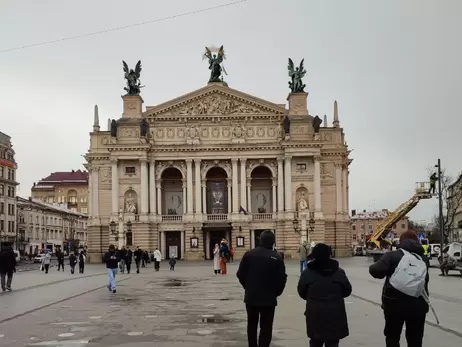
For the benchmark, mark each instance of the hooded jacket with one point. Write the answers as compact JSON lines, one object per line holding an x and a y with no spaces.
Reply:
{"x":392,"y":299}
{"x":262,"y":273}
{"x":324,"y":285}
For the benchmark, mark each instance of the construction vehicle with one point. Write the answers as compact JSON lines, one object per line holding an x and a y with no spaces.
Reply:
{"x":378,"y":243}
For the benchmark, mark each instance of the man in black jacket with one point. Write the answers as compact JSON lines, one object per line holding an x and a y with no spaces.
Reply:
{"x":138,"y":257}
{"x":398,"y":307}
{"x":7,"y":266}
{"x":262,"y":274}
{"x":112,"y":259}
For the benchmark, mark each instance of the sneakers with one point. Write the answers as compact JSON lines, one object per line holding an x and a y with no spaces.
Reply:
{"x":114,"y":291}
{"x":109,"y":287}
{"x":9,"y":289}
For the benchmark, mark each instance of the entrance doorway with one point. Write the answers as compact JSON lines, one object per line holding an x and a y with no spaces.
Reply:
{"x":257,"y":237}
{"x":173,"y":244}
{"x":215,"y":237}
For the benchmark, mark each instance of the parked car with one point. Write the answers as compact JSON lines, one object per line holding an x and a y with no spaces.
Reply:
{"x":39,"y":258}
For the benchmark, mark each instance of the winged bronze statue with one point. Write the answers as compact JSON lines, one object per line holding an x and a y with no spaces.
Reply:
{"x":296,"y":74}
{"x":215,"y":61}
{"x":133,"y":79}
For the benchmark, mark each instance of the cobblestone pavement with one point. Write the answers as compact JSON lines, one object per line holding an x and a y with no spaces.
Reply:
{"x":189,"y":307}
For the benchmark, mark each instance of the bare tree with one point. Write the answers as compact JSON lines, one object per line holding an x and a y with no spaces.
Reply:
{"x":452,"y":201}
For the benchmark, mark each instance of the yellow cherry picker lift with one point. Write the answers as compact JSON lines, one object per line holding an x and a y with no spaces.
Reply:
{"x":378,"y":244}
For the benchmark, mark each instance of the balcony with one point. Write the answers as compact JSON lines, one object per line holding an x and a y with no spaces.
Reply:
{"x":217,"y":217}
{"x":262,"y":216}
{"x":172,"y":218}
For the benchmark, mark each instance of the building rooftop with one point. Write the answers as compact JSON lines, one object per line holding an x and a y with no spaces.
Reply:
{"x":61,"y":208}
{"x":54,"y":178}
{"x":370,"y":215}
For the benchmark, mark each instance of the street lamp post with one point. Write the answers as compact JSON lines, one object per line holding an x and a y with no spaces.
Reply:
{"x":302,"y":230}
{"x":440,"y":206}
{"x":119,"y":233}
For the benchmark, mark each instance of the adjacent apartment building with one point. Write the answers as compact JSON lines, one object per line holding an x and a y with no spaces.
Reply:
{"x":49,"y":226}
{"x":364,"y":223}
{"x":454,"y":211}
{"x":8,"y":186}
{"x":69,"y":188}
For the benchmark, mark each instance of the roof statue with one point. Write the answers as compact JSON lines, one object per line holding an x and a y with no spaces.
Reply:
{"x":215,"y":61}
{"x":317,"y":123}
{"x":296,"y":74}
{"x":133,"y":79}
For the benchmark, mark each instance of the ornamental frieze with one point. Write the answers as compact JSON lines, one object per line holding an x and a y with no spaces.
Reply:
{"x":214,"y":105}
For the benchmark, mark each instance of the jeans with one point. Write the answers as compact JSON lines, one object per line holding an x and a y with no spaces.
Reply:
{"x":81,"y":267}
{"x":129,"y":266}
{"x":137,"y":262}
{"x":46,"y":267}
{"x":302,"y":265}
{"x":60,"y":264}
{"x":156,"y":265}
{"x":8,"y":281}
{"x":264,"y":315}
{"x":314,"y":343}
{"x":112,"y":278}
{"x":415,"y":324}
{"x":72,"y":269}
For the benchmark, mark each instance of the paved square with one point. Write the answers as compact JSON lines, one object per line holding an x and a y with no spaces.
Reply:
{"x":190,"y":307}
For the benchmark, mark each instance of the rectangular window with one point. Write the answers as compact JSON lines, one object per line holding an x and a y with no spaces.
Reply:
{"x":2,"y":225}
{"x":84,"y":210}
{"x":2,"y":190}
{"x":9,"y":174}
{"x":354,"y":227}
{"x":2,"y":171}
{"x":370,"y":226}
{"x":2,"y":207}
{"x":130,"y":170}
{"x":354,"y":237}
{"x":362,"y":227}
{"x":403,"y":226}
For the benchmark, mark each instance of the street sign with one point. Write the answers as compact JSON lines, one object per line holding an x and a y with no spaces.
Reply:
{"x":421,"y":236}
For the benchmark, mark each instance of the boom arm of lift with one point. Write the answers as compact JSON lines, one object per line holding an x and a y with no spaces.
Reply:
{"x":422,"y":192}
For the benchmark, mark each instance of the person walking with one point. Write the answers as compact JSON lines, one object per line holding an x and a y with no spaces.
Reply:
{"x":224,"y":256}
{"x":138,"y":254}
{"x":172,"y":263}
{"x":7,"y":267}
{"x":262,"y":274}
{"x":82,"y":259}
{"x":324,"y":285}
{"x":72,"y":262}
{"x":111,"y":258}
{"x":128,"y":259}
{"x":60,"y":257}
{"x":157,"y":259}
{"x":404,"y":291}
{"x":216,"y":259}
{"x":46,"y":261}
{"x":303,"y":255}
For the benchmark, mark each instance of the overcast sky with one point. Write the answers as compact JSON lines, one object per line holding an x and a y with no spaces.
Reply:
{"x":393,"y":65}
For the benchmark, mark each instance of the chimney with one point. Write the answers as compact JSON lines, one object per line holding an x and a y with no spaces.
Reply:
{"x":353,"y":213}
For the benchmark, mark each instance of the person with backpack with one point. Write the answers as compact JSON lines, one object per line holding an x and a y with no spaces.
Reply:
{"x":405,"y":291}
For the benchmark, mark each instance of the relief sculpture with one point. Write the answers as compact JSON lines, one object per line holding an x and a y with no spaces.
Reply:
{"x":326,"y":173}
{"x":215,"y":104}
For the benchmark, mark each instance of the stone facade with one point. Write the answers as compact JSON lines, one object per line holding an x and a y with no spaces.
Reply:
{"x":49,"y":226}
{"x":217,"y":163}
{"x":8,"y":184}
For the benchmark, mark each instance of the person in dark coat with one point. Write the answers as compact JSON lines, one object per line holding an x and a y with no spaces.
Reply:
{"x":138,"y":254}
{"x":60,"y":256}
{"x":398,"y":307}
{"x":324,"y":285}
{"x":7,"y":267}
{"x":72,"y":262}
{"x":128,"y":259}
{"x":262,"y":274}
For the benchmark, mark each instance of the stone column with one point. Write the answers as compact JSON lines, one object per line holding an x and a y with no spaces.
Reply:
{"x":235,"y":186}
{"x":273,"y":196}
{"x":152,"y":187}
{"x":345,"y":189}
{"x":204,"y":195}
{"x":252,"y":238}
{"x":288,"y":183}
{"x":207,"y":245}
{"x":280,"y":185}
{"x":162,"y":244}
{"x":243,"y":185}
{"x":159,"y":196}
{"x":181,"y":256}
{"x":317,"y":182}
{"x":229,"y":194}
{"x":144,"y":187}
{"x":90,"y":195}
{"x":185,"y":194}
{"x":197,"y":177}
{"x":338,"y":187}
{"x":95,"y":186}
{"x":189,"y":186}
{"x":249,"y":195}
{"x":115,"y":187}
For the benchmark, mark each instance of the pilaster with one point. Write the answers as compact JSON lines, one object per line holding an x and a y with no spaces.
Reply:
{"x":189,"y":187}
{"x":115,"y":187}
{"x":235,"y":188}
